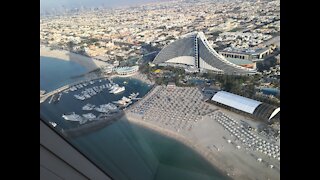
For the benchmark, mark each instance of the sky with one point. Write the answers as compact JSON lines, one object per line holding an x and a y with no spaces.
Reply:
{"x":50,"y":4}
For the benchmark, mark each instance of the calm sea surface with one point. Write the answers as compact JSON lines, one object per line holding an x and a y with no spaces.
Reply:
{"x":55,"y":73}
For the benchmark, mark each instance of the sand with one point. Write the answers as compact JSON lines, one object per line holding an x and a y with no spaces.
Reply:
{"x":234,"y":162}
{"x":207,"y":138}
{"x":87,"y":62}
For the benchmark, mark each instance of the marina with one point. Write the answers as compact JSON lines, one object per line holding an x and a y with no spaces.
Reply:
{"x":101,"y":102}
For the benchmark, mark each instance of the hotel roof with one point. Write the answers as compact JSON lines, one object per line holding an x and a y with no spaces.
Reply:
{"x":236,"y":101}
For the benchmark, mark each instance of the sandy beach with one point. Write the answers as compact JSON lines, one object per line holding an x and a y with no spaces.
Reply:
{"x":235,"y":163}
{"x":89,"y":63}
{"x":209,"y":139}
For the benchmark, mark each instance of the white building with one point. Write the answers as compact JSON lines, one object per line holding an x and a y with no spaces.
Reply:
{"x":125,"y":71}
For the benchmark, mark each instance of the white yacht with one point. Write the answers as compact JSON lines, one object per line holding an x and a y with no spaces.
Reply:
{"x":53,"y":124}
{"x":124,"y":101}
{"x":117,"y":90}
{"x":105,"y":108}
{"x":86,"y":95}
{"x":113,"y":86}
{"x":108,"y":85}
{"x":89,"y":116}
{"x":79,"y":97}
{"x":60,"y":94}
{"x":88,"y":107}
{"x":72,"y":117}
{"x":134,"y":95}
{"x":73,"y":88}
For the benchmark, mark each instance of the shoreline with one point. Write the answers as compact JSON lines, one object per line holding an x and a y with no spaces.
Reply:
{"x":205,"y":154}
{"x":234,"y":163}
{"x":89,"y":63}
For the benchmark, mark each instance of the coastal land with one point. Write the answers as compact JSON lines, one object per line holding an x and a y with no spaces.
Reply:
{"x":210,"y":140}
{"x":205,"y":135}
{"x":90,"y":64}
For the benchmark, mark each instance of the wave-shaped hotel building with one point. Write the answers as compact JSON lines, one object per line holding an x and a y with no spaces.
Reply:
{"x":193,"y":50}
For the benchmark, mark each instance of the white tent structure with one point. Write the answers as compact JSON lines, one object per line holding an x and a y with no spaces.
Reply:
{"x":238,"y":102}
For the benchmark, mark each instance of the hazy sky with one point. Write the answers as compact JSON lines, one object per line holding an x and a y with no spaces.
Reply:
{"x":49,"y":4}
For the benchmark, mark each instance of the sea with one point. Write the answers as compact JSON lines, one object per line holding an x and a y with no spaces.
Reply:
{"x":123,"y":150}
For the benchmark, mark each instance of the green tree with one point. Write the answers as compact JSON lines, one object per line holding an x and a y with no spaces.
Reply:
{"x":70,"y":45}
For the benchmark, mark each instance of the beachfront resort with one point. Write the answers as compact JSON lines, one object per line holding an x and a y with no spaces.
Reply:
{"x":191,"y":71}
{"x":219,"y":133}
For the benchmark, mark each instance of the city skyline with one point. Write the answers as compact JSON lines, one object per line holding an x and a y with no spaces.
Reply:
{"x":49,"y":5}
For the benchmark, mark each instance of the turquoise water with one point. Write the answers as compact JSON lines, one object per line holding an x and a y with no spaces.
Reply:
{"x":55,"y":73}
{"x":128,"y":151}
{"x":125,"y":150}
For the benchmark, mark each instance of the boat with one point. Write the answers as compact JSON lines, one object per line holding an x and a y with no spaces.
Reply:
{"x":124,"y":101}
{"x":86,"y":95}
{"x":72,"y":117}
{"x":108,"y":85}
{"x":117,"y":90}
{"x":79,"y":97}
{"x":105,"y":108}
{"x":53,"y":124}
{"x":113,"y":86}
{"x":134,"y":95}
{"x":89,"y":116}
{"x":60,"y":94}
{"x":112,"y":107}
{"x":73,"y":88}
{"x":42,"y":92}
{"x":88,"y":107}
{"x":125,"y":82}
{"x":120,"y":89}
{"x":127,"y":104}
